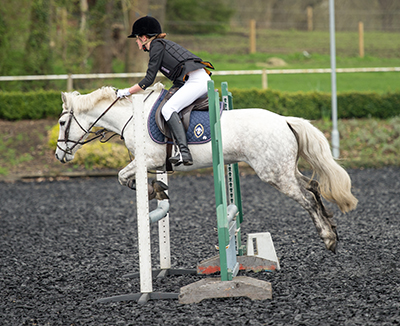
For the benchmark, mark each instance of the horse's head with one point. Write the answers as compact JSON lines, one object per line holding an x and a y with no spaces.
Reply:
{"x":72,"y":131}
{"x":82,"y":112}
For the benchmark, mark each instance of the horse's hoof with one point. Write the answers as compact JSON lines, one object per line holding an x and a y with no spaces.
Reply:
{"x":331,"y":244}
{"x":131,"y":184}
{"x":332,"y":247}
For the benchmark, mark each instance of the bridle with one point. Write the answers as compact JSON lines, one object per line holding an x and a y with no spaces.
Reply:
{"x":96,"y":134}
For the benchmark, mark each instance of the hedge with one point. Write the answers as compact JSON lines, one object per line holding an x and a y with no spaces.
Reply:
{"x":315,"y":105}
{"x":309,"y":105}
{"x":30,"y":105}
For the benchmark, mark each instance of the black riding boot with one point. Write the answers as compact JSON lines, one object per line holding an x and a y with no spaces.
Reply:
{"x":178,"y":131}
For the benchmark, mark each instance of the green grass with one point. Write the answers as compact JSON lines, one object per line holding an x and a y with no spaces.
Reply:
{"x":231,"y":52}
{"x":236,"y":41}
{"x":10,"y":155}
{"x":366,"y":142}
{"x":380,"y":82}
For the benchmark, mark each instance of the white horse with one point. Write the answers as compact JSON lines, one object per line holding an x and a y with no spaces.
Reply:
{"x":271,"y":144}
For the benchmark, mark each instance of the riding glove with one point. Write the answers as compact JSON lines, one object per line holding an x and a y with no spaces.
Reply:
{"x":123,"y":93}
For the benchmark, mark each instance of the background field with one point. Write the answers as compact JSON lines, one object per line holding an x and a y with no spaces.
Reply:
{"x":24,"y":145}
{"x":297,"y":49}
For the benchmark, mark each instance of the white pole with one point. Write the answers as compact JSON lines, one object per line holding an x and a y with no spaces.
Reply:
{"x":335,"y":132}
{"x":142,"y":197}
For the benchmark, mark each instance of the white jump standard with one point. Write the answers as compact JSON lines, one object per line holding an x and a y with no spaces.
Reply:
{"x":144,"y":218}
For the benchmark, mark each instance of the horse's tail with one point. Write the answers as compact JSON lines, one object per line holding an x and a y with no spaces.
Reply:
{"x":334,"y":182}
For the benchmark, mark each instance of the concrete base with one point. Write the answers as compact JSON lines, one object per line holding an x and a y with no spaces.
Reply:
{"x":241,"y":286}
{"x":246,"y":263}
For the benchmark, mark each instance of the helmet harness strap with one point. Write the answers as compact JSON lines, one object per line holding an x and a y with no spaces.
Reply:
{"x":144,"y":43}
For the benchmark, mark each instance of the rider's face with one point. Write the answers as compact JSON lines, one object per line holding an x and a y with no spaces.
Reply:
{"x":140,"y":40}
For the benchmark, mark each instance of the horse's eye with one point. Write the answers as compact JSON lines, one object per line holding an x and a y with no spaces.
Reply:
{"x":62,"y":123}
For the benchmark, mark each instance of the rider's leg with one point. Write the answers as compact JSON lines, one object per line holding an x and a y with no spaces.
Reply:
{"x":194,"y":87}
{"x":176,"y":127}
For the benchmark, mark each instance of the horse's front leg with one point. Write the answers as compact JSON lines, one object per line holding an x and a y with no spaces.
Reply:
{"x":126,"y":176}
{"x":156,"y":189}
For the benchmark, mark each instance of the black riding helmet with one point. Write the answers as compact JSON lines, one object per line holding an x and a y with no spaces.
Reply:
{"x":146,"y":26}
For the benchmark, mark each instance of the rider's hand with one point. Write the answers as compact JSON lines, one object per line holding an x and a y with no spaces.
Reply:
{"x":123,"y":93}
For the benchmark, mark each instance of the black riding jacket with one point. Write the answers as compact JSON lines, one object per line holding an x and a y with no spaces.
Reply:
{"x":174,"y":62}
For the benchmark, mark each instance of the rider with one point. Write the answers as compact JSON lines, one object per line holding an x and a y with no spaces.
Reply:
{"x":187,"y":71}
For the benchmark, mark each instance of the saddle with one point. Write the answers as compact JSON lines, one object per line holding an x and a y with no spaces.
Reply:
{"x":200,"y":104}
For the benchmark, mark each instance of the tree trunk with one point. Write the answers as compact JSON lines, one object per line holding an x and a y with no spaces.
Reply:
{"x":103,"y":53}
{"x":135,"y":60}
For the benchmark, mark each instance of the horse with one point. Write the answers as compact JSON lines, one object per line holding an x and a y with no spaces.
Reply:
{"x":269,"y":143}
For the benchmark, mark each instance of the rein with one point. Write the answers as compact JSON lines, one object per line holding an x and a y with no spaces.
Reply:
{"x":98,"y":134}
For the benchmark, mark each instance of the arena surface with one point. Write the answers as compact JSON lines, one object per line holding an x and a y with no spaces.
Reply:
{"x":66,"y":244}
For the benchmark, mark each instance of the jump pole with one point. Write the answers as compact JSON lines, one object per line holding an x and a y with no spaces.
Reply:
{"x":144,"y":219}
{"x":228,"y":285}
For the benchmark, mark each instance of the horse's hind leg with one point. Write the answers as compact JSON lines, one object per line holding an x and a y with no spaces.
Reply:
{"x":313,"y":186}
{"x":296,"y":188}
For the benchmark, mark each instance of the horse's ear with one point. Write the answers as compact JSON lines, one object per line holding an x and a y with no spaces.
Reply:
{"x":63,"y":97}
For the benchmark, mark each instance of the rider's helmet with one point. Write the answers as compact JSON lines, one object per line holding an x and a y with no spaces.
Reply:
{"x":146,"y":26}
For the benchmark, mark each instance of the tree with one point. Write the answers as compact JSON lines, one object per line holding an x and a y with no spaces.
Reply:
{"x":38,"y":58}
{"x":198,"y":17}
{"x":135,"y":59}
{"x":4,"y":44}
{"x":101,"y":21}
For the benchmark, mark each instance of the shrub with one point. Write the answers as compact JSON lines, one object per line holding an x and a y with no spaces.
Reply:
{"x":317,"y":105}
{"x":309,"y":105}
{"x":95,"y":155}
{"x":30,"y":105}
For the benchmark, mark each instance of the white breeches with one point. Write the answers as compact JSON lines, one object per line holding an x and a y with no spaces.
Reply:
{"x":194,"y":87}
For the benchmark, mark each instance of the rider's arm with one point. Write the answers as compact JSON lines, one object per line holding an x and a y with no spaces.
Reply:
{"x":156,"y":57}
{"x":135,"y":88}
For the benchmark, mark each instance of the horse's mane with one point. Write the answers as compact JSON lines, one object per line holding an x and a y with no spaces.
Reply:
{"x":82,"y":103}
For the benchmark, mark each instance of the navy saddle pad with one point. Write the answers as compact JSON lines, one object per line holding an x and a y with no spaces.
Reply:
{"x":199,"y":127}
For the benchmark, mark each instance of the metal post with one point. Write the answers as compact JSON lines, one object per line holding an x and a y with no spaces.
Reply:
{"x":233,"y":178}
{"x":219,"y":182}
{"x":335,"y":132}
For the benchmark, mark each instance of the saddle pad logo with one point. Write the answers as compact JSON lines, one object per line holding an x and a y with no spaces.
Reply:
{"x":198,"y":130}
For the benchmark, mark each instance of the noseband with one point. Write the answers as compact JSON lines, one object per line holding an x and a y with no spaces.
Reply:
{"x":100,"y":133}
